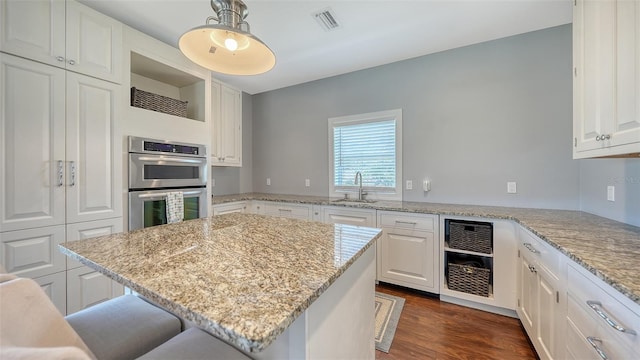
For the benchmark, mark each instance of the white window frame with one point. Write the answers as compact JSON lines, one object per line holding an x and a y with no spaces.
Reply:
{"x":395,"y":114}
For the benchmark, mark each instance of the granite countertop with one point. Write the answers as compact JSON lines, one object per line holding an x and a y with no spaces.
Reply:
{"x":609,"y":249}
{"x":244,"y":278}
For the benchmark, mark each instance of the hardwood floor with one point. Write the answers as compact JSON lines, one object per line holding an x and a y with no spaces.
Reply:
{"x":430,"y":329}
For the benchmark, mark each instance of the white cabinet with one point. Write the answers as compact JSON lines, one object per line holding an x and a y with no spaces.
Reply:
{"x":408,"y":250}
{"x":606,"y":83}
{"x":502,"y":262}
{"x":349,"y":216}
{"x":232,"y":207}
{"x":63,"y":34}
{"x":226,"y":110}
{"x":55,"y":286}
{"x":600,"y":323}
{"x":33,"y":252}
{"x":86,"y":287}
{"x":46,"y":169}
{"x":540,"y":295}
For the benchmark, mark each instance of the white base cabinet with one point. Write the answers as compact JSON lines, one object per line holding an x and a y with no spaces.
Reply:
{"x":87,"y":287}
{"x":408,"y":250}
{"x":349,"y":216}
{"x":55,"y":286}
{"x":288,"y":210}
{"x":540,"y":294}
{"x":233,"y":207}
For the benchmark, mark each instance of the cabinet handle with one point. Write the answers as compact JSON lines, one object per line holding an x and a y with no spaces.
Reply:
{"x":606,"y":137}
{"x":406,"y":222}
{"x":532,"y":269}
{"x":285,"y":210}
{"x":598,"y":138}
{"x":597,"y":307}
{"x":531,"y":248}
{"x":71,"y":62}
{"x":72,"y":165}
{"x":60,"y":173}
{"x":592,"y":341}
{"x":59,"y":58}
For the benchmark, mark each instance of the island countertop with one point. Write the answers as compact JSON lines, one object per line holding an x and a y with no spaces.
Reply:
{"x":607,"y":248}
{"x":244,"y":278}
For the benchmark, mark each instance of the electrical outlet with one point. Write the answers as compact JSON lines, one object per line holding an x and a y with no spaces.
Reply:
{"x":213,"y":182}
{"x":307,"y":182}
{"x":611,"y":193}
{"x":268,"y":181}
{"x":511,"y":187}
{"x":409,"y":184}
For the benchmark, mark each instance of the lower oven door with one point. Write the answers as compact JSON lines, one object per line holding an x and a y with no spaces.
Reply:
{"x":148,"y":207}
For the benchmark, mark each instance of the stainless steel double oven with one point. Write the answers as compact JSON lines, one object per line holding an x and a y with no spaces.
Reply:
{"x":157,"y":167}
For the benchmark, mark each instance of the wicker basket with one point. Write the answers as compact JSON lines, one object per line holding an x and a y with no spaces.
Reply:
{"x":469,"y":279}
{"x":159,"y":103}
{"x":471,"y":236}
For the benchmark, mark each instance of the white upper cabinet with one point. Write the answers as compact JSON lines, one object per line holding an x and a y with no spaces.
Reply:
{"x":39,"y":30}
{"x":226,"y":109}
{"x":32,"y":127}
{"x":606,"y":83}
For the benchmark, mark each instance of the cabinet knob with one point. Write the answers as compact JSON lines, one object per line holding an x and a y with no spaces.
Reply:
{"x":71,"y":62}
{"x":532,"y":268}
{"x":59,"y":58}
{"x":598,"y":138}
{"x":607,"y":137}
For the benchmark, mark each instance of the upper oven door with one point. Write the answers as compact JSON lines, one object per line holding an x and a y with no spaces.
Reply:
{"x":147,"y":171}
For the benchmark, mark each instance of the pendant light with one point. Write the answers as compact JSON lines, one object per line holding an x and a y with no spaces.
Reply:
{"x":227,"y":47}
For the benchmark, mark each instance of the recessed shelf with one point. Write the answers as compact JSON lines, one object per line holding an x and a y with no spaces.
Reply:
{"x":159,"y":78}
{"x":448,"y":249}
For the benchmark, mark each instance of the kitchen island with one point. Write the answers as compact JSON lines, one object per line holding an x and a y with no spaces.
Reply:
{"x":272,"y":287}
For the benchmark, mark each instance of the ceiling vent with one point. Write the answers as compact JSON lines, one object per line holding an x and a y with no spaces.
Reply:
{"x":327,"y":19}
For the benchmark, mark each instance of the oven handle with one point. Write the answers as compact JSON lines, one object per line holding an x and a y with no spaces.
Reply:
{"x":164,"y":194}
{"x":173,"y":159}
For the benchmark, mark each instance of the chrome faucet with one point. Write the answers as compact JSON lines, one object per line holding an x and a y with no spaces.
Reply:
{"x":361,"y":194}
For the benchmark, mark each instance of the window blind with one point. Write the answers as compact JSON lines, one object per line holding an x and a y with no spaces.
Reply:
{"x":368,"y":147}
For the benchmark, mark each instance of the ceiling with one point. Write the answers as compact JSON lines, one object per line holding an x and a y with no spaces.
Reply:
{"x":372,"y":33}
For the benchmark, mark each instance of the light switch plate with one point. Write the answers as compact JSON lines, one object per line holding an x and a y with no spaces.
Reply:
{"x":611,"y":193}
{"x":409,"y":185}
{"x":511,"y":187}
{"x":268,"y":181}
{"x":307,"y":182}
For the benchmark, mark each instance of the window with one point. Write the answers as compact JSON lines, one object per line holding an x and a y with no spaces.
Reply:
{"x":371,"y":144}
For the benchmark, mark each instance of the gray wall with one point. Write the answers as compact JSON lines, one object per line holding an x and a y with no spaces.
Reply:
{"x":233,"y":180}
{"x":624,"y":174}
{"x":474,"y":118}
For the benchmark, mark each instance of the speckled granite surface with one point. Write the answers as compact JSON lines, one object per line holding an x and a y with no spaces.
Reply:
{"x":244,"y":278}
{"x":609,"y":249}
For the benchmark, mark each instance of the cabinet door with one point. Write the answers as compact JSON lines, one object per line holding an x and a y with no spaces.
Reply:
{"x":55,"y":286}
{"x":93,"y":149}
{"x":408,"y":258}
{"x":594,"y":71}
{"x":86,"y":287}
{"x":528,"y":294}
{"x":227,"y":127}
{"x":548,"y":314}
{"x":94,"y":43}
{"x":33,"y":252}
{"x":34,"y":29}
{"x":626,"y":127}
{"x":91,"y":229}
{"x":32,"y":117}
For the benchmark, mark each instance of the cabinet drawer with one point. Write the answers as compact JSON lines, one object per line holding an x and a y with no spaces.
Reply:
{"x":543,"y":253}
{"x":590,"y":294}
{"x":298,"y":211}
{"x":357,"y":217}
{"x":390,"y":219}
{"x":234,"y":207}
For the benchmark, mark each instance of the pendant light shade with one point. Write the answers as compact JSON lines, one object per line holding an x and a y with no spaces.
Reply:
{"x":226,"y":47}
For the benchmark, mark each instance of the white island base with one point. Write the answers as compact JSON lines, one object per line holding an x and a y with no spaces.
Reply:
{"x":340,"y":324}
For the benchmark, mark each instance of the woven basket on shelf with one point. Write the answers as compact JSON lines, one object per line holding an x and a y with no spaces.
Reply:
{"x":159,"y":103}
{"x":471,"y":237}
{"x":469,"y":279}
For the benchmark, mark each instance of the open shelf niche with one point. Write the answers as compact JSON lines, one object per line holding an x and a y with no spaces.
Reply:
{"x":155,"y":77}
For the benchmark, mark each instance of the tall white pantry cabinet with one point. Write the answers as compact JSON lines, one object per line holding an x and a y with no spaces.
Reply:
{"x":61,"y":162}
